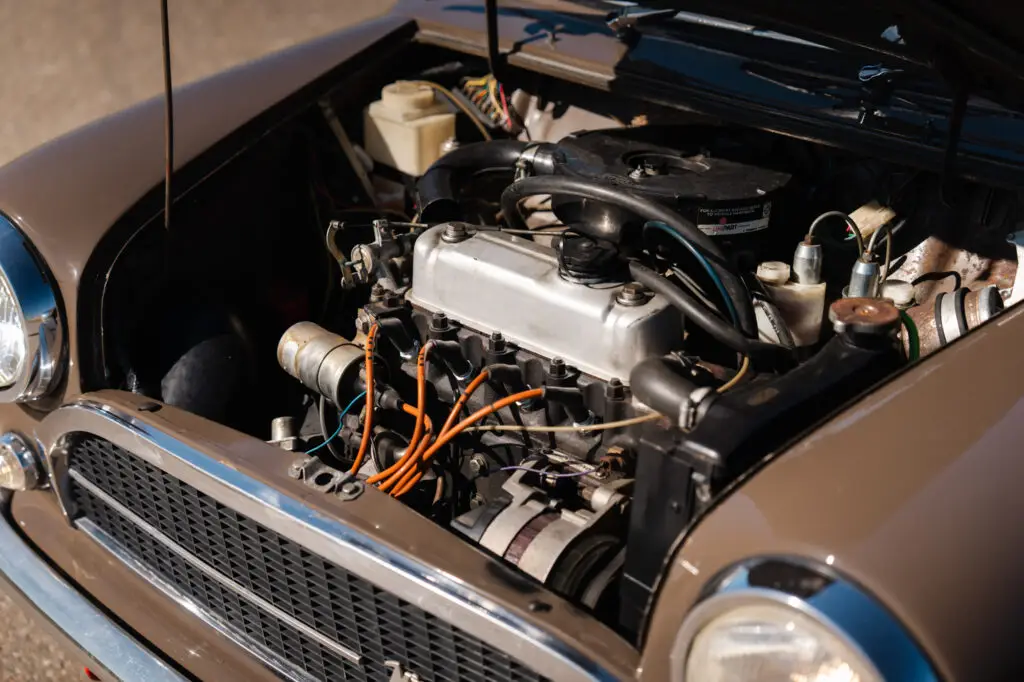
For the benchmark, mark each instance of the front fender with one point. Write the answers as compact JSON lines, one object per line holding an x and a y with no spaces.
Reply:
{"x":913,"y":493}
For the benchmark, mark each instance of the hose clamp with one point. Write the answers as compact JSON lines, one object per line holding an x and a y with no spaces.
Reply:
{"x":534,"y":159}
{"x":693,"y":408}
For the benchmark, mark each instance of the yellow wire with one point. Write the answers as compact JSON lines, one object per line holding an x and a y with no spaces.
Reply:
{"x":477,"y":82}
{"x":567,"y":429}
{"x":462,"y":107}
{"x":736,"y":377}
{"x":492,"y":93}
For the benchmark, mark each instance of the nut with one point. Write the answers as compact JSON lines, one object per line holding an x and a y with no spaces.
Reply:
{"x":614,"y":390}
{"x":632,"y":294}
{"x":439,"y":322}
{"x":497,"y":344}
{"x":478,"y":465}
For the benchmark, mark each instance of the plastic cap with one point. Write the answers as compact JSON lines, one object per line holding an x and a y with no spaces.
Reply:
{"x":773,"y":272}
{"x":899,"y":292}
{"x":407,"y":97}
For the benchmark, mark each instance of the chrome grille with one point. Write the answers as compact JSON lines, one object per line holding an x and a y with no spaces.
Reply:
{"x":319,"y":620}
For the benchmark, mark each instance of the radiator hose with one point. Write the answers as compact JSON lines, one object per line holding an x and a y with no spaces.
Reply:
{"x":435,"y":191}
{"x":656,"y":383}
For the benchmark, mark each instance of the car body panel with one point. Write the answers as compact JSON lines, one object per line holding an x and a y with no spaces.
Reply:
{"x":376,"y":515}
{"x":910,"y":493}
{"x":913,"y":493}
{"x":172,"y":630}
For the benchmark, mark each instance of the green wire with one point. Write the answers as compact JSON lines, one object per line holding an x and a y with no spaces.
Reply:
{"x":702,"y":259}
{"x":915,"y":341}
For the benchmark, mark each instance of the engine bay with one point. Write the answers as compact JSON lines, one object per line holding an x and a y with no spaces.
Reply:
{"x":560,"y":332}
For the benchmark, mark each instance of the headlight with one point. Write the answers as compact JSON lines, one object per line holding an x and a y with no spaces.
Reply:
{"x":773,"y":643}
{"x":779,"y":621}
{"x":31,"y":331}
{"x":12,"y":336}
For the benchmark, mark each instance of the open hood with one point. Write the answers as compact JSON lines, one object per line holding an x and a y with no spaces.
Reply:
{"x":977,"y":45}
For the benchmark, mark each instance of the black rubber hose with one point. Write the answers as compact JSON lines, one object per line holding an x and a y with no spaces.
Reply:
{"x":656,"y":384}
{"x":435,"y":191}
{"x":720,"y":330}
{"x":644,"y":208}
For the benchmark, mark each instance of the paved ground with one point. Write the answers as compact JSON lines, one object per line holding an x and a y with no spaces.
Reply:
{"x":66,"y":63}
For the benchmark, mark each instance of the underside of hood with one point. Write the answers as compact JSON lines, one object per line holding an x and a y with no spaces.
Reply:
{"x":977,"y":45}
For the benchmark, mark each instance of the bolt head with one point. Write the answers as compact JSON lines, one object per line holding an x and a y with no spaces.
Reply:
{"x":497,"y":343}
{"x":454,"y":233}
{"x":615,"y":390}
{"x":632,"y":294}
{"x":478,"y":464}
{"x":439,"y":321}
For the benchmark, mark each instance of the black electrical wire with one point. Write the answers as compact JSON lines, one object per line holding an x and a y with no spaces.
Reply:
{"x":644,"y":208}
{"x":495,"y":61}
{"x":165,"y":31}
{"x":715,"y":326}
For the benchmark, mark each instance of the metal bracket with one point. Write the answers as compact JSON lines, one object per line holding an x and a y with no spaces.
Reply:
{"x":342,"y":484}
{"x":346,"y":146}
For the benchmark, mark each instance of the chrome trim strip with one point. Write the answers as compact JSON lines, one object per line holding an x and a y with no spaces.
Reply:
{"x":440,"y":594}
{"x":213,"y":573}
{"x":31,"y":581}
{"x":841,"y":607}
{"x":267,"y":657}
{"x":35,"y":294}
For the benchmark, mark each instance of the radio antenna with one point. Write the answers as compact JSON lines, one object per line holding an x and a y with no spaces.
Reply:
{"x":168,"y":114}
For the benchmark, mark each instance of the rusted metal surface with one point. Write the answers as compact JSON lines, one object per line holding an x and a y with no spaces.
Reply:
{"x":934,"y":256}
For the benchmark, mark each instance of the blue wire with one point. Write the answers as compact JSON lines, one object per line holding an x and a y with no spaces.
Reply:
{"x":340,"y":423}
{"x":658,"y":225}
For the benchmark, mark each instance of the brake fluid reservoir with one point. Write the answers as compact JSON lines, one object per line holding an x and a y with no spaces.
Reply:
{"x":407,"y":126}
{"x":802,"y":306}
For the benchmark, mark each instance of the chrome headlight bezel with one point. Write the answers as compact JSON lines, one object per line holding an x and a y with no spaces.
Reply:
{"x":838,"y":606}
{"x":35,"y":295}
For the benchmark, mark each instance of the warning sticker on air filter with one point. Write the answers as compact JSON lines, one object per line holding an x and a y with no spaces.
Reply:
{"x":726,"y":220}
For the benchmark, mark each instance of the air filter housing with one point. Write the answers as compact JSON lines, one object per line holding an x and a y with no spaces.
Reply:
{"x":725,"y":197}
